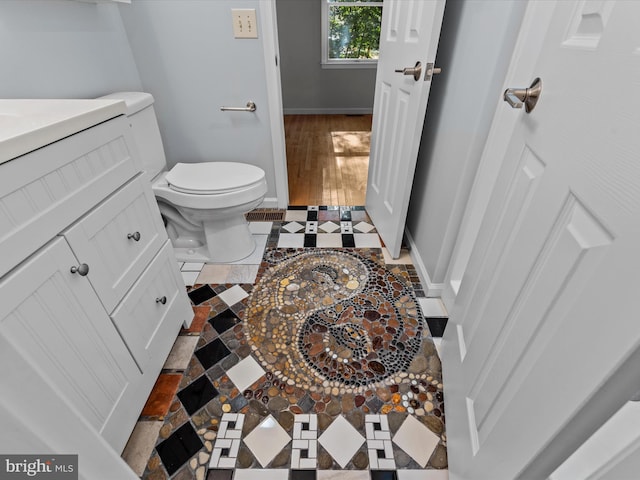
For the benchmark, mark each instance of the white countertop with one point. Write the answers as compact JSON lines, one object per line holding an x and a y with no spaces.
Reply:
{"x":26,"y":125}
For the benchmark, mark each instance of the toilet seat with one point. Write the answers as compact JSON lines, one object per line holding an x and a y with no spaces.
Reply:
{"x":213,"y":178}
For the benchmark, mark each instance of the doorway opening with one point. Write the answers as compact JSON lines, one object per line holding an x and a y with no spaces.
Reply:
{"x":327,"y":158}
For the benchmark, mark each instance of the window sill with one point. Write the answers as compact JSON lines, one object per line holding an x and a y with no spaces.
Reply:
{"x":347,"y":65}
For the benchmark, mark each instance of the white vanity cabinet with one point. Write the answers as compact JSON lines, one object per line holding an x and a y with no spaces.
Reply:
{"x":90,"y":292}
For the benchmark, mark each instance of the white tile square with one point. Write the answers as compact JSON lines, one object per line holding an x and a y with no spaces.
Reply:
{"x":329,"y":227}
{"x":403,"y":259}
{"x":140,"y":445}
{"x":260,"y":228}
{"x":256,"y":256}
{"x":341,"y":440}
{"x":233,"y":295}
{"x":342,"y":475}
{"x":181,"y":352}
{"x":367,"y":240}
{"x":432,"y":307}
{"x":329,"y":240}
{"x":294,"y":227}
{"x":299,"y":444}
{"x":244,"y":373}
{"x":227,"y":273}
{"x":296,"y":216}
{"x":313,"y":208}
{"x":363,"y":227}
{"x":311,"y":227}
{"x":423,"y":474}
{"x":267,"y":440}
{"x":291,"y":240}
{"x":263,"y":474}
{"x":189,"y":278}
{"x":308,"y":463}
{"x":416,"y":440}
{"x":386,"y":464}
{"x":437,"y":341}
{"x":192,"y":267}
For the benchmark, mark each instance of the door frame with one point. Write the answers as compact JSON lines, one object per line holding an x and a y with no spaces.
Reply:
{"x":271,"y":49}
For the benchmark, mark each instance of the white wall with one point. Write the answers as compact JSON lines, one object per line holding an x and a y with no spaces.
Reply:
{"x":475,"y":49}
{"x":63,"y":49}
{"x":190,"y":62}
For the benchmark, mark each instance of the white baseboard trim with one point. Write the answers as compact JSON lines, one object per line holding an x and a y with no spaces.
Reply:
{"x":328,"y":111}
{"x":269,"y":202}
{"x":432,"y":290}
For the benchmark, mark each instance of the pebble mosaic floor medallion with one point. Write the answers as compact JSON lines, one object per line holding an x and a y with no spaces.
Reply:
{"x":328,"y":319}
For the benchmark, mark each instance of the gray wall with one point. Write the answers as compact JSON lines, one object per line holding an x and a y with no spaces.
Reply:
{"x":190,"y":62}
{"x":475,"y":49}
{"x":306,"y":86}
{"x":63,"y":49}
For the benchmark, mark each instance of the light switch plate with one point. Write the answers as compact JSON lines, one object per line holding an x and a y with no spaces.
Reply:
{"x":244,"y":23}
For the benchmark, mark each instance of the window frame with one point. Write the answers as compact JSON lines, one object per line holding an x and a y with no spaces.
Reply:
{"x":327,"y":62}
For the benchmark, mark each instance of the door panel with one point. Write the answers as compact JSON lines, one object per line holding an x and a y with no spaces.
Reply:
{"x":543,"y":322}
{"x":409,"y":33}
{"x":60,"y":327}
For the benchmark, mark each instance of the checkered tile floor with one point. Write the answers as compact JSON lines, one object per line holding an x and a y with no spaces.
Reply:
{"x":328,"y":227}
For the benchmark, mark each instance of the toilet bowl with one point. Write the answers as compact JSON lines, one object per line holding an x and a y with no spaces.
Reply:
{"x":202,"y":204}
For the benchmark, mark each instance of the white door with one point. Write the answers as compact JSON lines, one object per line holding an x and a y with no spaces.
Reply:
{"x":409,"y":34}
{"x":542,"y":340}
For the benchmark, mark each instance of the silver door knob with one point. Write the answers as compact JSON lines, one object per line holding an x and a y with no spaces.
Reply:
{"x":81,"y":269}
{"x":414,"y":71}
{"x":134,"y":236}
{"x":517,"y":97}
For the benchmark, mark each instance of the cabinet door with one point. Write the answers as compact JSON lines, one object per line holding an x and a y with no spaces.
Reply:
{"x":44,"y":191}
{"x":118,"y":239}
{"x":151,"y":314}
{"x":56,"y":322}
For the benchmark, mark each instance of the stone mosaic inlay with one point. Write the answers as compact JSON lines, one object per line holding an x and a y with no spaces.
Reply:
{"x":327,"y":319}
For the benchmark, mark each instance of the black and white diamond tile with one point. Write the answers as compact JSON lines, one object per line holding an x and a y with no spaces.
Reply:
{"x":416,"y":440}
{"x":294,"y":227}
{"x":379,"y":446}
{"x":267,"y":440}
{"x":304,"y":450}
{"x":328,"y":227}
{"x":341,"y":440}
{"x":225,"y":450}
{"x":245,"y":373}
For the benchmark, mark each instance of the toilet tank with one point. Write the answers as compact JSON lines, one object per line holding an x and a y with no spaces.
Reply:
{"x":144,"y":126}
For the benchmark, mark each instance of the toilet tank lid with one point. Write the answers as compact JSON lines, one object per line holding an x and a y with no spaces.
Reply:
{"x":135,"y":101}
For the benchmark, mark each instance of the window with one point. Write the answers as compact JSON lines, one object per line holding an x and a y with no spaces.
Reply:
{"x":350,"y":32}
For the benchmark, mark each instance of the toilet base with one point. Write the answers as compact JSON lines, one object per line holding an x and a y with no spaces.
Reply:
{"x":228,"y":239}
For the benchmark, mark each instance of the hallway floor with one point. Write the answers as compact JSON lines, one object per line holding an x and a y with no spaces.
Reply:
{"x":302,"y":362}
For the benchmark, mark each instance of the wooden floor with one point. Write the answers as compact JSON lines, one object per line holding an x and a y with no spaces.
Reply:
{"x":327,"y":158}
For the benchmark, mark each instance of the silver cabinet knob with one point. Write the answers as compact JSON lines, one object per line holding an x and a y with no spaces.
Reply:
{"x":527,"y":97}
{"x":81,"y":269}
{"x":161,"y":300}
{"x":134,"y":236}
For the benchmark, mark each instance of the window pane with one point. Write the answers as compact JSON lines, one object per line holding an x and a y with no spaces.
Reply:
{"x":354,"y":32}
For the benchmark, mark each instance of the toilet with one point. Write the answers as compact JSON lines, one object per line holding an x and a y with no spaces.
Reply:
{"x":202,"y":204}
